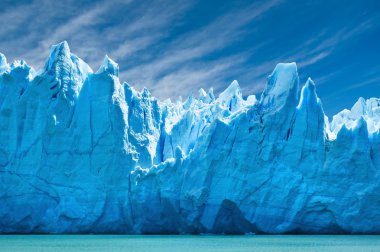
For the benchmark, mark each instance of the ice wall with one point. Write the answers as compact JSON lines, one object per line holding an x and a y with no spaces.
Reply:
{"x":81,"y":152}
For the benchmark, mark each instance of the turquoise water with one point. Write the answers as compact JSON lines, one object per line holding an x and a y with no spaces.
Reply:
{"x":82,"y":243}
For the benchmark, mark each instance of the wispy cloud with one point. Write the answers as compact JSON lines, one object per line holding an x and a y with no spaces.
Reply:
{"x":312,"y":51}
{"x":29,"y":24}
{"x":371,"y":78}
{"x":193,"y":77}
{"x":160,"y":45}
{"x":119,"y":28}
{"x":182,"y":55}
{"x":130,"y":39}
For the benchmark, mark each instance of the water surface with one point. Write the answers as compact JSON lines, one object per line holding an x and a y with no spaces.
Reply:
{"x":83,"y":243}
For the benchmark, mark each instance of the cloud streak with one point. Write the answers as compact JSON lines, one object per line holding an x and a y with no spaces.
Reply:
{"x":175,"y":47}
{"x":183,"y":54}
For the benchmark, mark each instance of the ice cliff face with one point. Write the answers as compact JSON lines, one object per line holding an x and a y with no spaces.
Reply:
{"x":82,"y":153}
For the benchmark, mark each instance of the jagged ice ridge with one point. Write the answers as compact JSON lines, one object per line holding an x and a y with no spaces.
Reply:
{"x":81,"y":152}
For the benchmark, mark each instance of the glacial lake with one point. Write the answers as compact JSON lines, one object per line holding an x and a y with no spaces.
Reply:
{"x":93,"y":243}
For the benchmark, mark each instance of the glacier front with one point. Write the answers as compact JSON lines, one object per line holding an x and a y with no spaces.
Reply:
{"x":81,"y":152}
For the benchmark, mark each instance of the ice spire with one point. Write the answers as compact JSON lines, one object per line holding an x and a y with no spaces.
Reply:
{"x":308,"y":95}
{"x":3,"y":64}
{"x":282,"y":87}
{"x":232,"y":96}
{"x":109,"y":66}
{"x":59,"y":55}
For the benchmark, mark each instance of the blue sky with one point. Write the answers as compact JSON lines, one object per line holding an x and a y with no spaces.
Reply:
{"x":175,"y":47}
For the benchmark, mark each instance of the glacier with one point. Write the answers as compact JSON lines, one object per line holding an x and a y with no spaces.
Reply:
{"x":81,"y":152}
